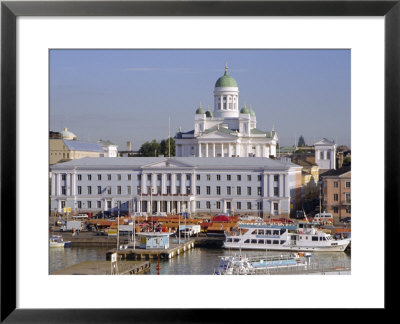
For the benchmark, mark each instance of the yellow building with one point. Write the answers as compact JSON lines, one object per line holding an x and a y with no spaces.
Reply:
{"x":309,"y":178}
{"x":64,"y":147}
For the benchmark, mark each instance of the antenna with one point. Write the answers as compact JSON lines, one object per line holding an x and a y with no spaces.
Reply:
{"x":169,"y":136}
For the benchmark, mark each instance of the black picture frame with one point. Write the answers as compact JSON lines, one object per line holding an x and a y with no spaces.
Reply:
{"x":10,"y":10}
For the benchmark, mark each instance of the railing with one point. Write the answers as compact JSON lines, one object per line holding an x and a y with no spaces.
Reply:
{"x":322,"y":269}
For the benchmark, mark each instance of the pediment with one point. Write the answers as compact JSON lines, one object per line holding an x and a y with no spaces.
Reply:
{"x":216,"y":135}
{"x":167,"y":163}
{"x":324,"y":141}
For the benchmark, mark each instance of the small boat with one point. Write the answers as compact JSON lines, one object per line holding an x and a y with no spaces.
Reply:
{"x":242,"y":265}
{"x":58,"y":241}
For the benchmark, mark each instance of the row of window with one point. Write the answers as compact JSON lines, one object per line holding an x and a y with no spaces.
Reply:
{"x":268,"y":232}
{"x":336,"y":184}
{"x":159,"y":176}
{"x":261,"y":241}
{"x":118,"y":190}
{"x":229,"y":190}
{"x":347,"y":209}
{"x":347,"y":197}
{"x":218,"y":205}
{"x":128,"y":177}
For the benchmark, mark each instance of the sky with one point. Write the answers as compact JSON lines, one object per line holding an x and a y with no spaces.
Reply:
{"x":131,"y":95}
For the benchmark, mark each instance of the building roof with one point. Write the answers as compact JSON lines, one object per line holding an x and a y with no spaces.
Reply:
{"x":337,"y":172}
{"x":185,"y":162}
{"x":324,"y":141}
{"x":102,"y":142}
{"x":83,"y":146}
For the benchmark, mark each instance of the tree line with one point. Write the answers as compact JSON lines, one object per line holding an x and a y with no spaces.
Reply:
{"x":155,"y":148}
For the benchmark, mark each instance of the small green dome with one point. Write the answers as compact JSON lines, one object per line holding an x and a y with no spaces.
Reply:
{"x":209,"y":113}
{"x":244,"y":110}
{"x":226,"y":80}
{"x":252,"y":113}
{"x":200,"y":110}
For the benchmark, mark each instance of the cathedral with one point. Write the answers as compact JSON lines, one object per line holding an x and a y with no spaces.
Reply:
{"x":227,"y":131}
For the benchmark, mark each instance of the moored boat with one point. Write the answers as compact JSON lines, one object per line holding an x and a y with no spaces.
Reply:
{"x":58,"y":241}
{"x":242,"y":265}
{"x":295,"y":237}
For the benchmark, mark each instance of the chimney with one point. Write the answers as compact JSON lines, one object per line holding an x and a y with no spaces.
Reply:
{"x":128,"y":146}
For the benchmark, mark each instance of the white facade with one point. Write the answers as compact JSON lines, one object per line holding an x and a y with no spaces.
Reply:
{"x":325,"y":154}
{"x":227,"y":131}
{"x":260,"y":186}
{"x":109,"y":148}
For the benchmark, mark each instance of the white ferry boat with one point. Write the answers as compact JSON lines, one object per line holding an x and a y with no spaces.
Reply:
{"x":303,"y":237}
{"x":242,"y":265}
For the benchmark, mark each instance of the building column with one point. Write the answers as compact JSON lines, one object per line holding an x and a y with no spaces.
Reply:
{"x":265,"y":185}
{"x":199,"y":149}
{"x":163,"y":183}
{"x":173,"y":185}
{"x":229,"y":150}
{"x":143,"y":183}
{"x":68,"y":184}
{"x":73,"y":184}
{"x":271,"y":185}
{"x":213,"y":149}
{"x":183,"y":183}
{"x":192,"y":183}
{"x":53,"y":184}
{"x":168,"y":207}
{"x":287,"y":186}
{"x":222,"y":149}
{"x":206,"y":149}
{"x":158,"y":206}
{"x":153,"y":183}
{"x":58,"y":185}
{"x":237,"y":149}
{"x":281,"y":185}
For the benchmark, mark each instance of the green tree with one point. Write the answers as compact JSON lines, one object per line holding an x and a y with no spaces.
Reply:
{"x":150,"y":149}
{"x":164,"y":147}
{"x":301,"y":142}
{"x":347,"y":161}
{"x":154,"y":148}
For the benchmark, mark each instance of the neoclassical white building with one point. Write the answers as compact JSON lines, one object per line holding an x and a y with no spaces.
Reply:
{"x":227,"y":131}
{"x":251,"y":186}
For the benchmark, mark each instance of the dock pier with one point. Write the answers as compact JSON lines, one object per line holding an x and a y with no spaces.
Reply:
{"x":104,"y":268}
{"x":148,"y":254}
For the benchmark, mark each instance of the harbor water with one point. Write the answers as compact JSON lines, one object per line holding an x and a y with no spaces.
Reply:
{"x":197,"y":261}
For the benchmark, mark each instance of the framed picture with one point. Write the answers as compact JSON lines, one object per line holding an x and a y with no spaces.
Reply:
{"x":183,"y":25}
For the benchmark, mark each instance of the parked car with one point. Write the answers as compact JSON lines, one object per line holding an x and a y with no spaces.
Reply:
{"x":346,"y":220}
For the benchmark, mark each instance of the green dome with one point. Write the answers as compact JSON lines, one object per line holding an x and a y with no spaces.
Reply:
{"x":244,"y":110}
{"x":226,"y":80}
{"x":252,"y":113}
{"x":209,"y":113}
{"x":200,"y":111}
